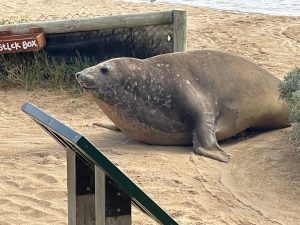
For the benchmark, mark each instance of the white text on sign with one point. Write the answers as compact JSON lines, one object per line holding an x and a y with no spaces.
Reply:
{"x":15,"y":46}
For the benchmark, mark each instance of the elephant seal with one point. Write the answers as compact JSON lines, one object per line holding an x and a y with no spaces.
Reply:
{"x":195,"y":97}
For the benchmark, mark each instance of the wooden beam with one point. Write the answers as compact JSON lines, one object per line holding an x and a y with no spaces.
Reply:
{"x":95,"y":23}
{"x":85,"y":213}
{"x":85,"y":192}
{"x":99,"y":196}
{"x":180,"y":31}
{"x":120,"y":220}
{"x":92,"y":207}
{"x":71,"y":185}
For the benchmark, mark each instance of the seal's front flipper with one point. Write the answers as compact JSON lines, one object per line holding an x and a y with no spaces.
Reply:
{"x":205,"y":143}
{"x":107,"y":126}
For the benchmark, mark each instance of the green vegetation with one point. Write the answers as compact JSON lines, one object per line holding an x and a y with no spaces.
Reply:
{"x":290,"y":91}
{"x":38,"y":70}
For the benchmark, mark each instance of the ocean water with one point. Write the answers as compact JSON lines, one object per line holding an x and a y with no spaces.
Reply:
{"x":271,"y":7}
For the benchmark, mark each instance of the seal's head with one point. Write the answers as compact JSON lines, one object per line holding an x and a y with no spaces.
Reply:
{"x":90,"y":78}
{"x":110,"y":81}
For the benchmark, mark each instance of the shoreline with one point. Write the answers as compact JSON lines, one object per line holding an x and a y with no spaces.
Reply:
{"x":216,"y":7}
{"x":156,"y":6}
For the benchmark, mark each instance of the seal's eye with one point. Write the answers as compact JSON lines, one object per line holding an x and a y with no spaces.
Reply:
{"x":104,"y":70}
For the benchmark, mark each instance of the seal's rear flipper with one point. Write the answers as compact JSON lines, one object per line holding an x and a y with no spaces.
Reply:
{"x":107,"y":126}
{"x":205,"y":143}
{"x":217,"y":154}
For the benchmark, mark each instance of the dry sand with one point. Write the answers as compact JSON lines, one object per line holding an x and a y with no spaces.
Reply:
{"x":260,"y":185}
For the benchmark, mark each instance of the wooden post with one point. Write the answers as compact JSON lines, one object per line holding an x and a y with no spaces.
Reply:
{"x":118,"y":205}
{"x":71,"y":186}
{"x":85,"y":192}
{"x":180,"y":31}
{"x":94,"y":199}
{"x":99,"y":196}
{"x":81,"y":195}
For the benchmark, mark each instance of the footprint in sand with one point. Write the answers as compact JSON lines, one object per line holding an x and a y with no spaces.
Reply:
{"x":12,"y":183}
{"x":47,"y":178}
{"x":3,"y":201}
{"x":292,"y":32}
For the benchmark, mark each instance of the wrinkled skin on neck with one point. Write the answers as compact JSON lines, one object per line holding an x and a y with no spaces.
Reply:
{"x":134,"y":94}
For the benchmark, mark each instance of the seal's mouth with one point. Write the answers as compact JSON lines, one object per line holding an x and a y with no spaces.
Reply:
{"x":86,"y":82}
{"x":88,"y":85}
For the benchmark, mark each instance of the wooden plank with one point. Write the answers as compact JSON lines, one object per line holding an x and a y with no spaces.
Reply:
{"x":85,"y":209}
{"x":95,"y":23}
{"x":120,"y":220}
{"x":85,"y":192}
{"x":71,"y":185}
{"x":102,"y":202}
{"x":180,"y":31}
{"x":99,"y":196}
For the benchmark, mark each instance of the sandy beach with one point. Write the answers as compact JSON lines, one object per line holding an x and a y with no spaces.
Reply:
{"x":260,"y":185}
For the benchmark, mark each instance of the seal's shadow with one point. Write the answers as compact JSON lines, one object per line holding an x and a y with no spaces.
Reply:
{"x":107,"y":139}
{"x":245,"y":135}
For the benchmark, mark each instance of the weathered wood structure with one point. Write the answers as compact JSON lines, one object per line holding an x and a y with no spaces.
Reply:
{"x":105,"y":196}
{"x":138,"y":35}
